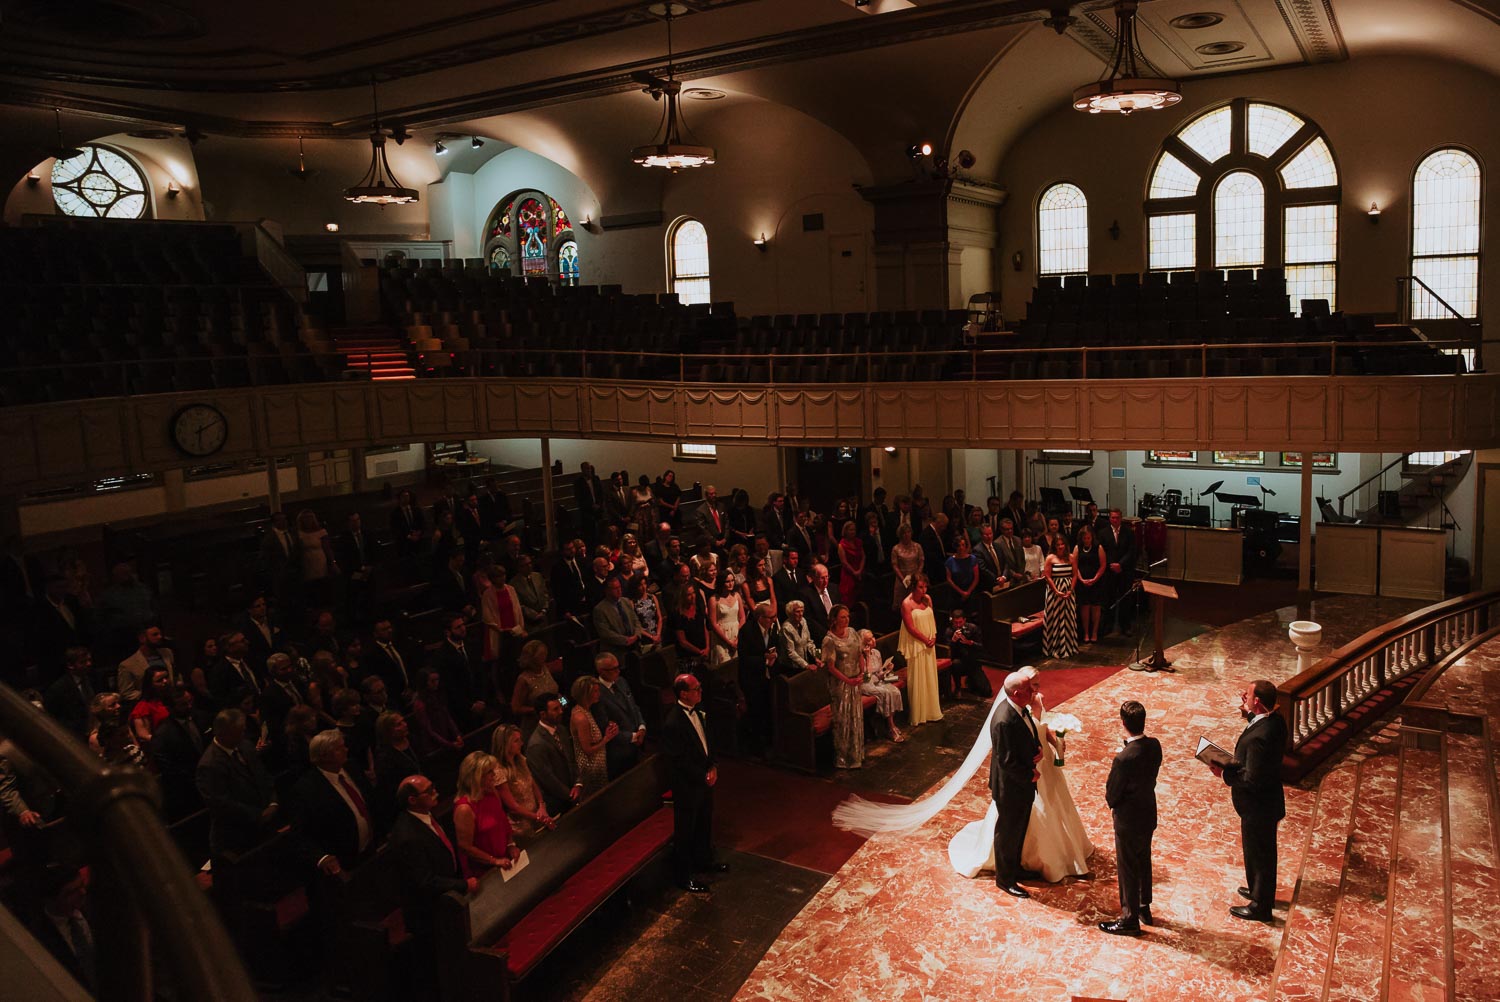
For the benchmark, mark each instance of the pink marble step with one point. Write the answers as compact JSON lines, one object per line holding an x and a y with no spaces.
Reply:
{"x":1357,"y":955}
{"x":1474,"y":867}
{"x":1306,"y":945}
{"x":1417,"y":916}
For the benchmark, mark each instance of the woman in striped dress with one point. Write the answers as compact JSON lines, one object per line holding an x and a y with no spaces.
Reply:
{"x":1060,"y":624}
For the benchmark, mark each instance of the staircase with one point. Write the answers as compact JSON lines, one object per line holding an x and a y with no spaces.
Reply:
{"x":1419,"y":492}
{"x":376,"y":350}
{"x":1395,"y":899}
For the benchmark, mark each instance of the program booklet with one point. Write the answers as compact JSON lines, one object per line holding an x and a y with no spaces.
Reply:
{"x":515,"y":868}
{"x":1212,"y":754}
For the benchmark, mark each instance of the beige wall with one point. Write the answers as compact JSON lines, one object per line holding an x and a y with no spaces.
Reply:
{"x":163,"y":161}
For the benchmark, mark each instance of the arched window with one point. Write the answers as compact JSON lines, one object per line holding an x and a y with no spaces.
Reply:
{"x":1247,"y":185}
{"x":531,"y":229}
{"x":1062,"y":231}
{"x":1445,"y":204}
{"x":101,"y":183}
{"x":687,"y":261}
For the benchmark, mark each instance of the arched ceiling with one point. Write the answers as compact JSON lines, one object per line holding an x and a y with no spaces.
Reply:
{"x":548,"y":71}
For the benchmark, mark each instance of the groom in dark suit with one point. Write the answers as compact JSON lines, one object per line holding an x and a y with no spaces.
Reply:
{"x":1017,"y":748}
{"x":1254,"y":782}
{"x":1131,"y":795}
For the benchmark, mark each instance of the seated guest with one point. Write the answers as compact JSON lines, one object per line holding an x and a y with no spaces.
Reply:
{"x":535,"y":680}
{"x":879,"y":676}
{"x":150,"y":653}
{"x":330,"y":810}
{"x":426,"y":861}
{"x":519,"y":791}
{"x":479,"y":821}
{"x":798,"y":647}
{"x":617,"y":706}
{"x":176,"y":747}
{"x":235,"y":787}
{"x":395,"y":759}
{"x":61,"y":923}
{"x":148,"y":714}
{"x":434,"y":727}
{"x":549,"y":753}
{"x":68,"y":699}
{"x":964,"y":644}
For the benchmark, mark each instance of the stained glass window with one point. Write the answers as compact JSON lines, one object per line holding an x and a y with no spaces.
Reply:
{"x":1240,"y":458}
{"x":559,"y":218}
{"x":500,"y":258}
{"x":531,"y":229}
{"x":1174,"y":241}
{"x":1312,"y":168}
{"x":1310,"y":237}
{"x":687,"y":262}
{"x":100,"y":183}
{"x":567,"y":262}
{"x":531,"y":220}
{"x":1239,"y":221}
{"x":1270,"y":128}
{"x":1062,"y":228}
{"x":1173,"y":178}
{"x":1445,"y":235}
{"x":1208,"y":135}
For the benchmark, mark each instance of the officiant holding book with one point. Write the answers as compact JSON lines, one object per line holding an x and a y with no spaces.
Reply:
{"x":1254,"y":781}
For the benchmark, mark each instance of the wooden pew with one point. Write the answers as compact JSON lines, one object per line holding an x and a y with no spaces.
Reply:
{"x":489,"y":941}
{"x":1000,"y":623}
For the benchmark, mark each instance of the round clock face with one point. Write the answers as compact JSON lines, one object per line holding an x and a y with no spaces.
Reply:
{"x":199,"y":430}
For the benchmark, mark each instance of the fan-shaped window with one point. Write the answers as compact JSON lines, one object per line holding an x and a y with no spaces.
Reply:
{"x":1245,"y":186}
{"x":1062,"y":229}
{"x":1239,"y":221}
{"x":532,"y":229}
{"x":687,"y":261}
{"x":1445,"y":207}
{"x":100,"y":183}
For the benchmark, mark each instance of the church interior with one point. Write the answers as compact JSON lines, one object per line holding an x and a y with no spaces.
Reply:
{"x":453,"y":457}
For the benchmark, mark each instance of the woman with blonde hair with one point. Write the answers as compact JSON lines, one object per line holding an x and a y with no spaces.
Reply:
{"x":518,"y":790}
{"x":588,"y":740}
{"x":534,"y":679}
{"x":479,"y":821}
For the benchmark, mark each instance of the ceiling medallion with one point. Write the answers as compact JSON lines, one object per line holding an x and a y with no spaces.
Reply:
{"x":1190,"y":22}
{"x":1123,"y":89}
{"x":668,"y":150}
{"x":1219,"y":48}
{"x":379,"y":185}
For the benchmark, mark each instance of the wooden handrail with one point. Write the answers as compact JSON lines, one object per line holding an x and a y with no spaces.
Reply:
{"x":1320,"y":698}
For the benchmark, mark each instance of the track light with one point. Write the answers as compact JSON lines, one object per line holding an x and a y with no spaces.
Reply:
{"x":922,"y":149}
{"x":476,"y":142}
{"x":438,"y":148}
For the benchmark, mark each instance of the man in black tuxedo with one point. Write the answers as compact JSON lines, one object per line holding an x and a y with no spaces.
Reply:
{"x":588,"y":495}
{"x":1131,"y":795}
{"x":330,"y":808}
{"x":1118,"y":540}
{"x":235,"y":787}
{"x":568,"y":586}
{"x":799,"y":535}
{"x":1254,"y":782}
{"x":494,"y":508}
{"x":262,"y":635}
{"x":777,"y":521}
{"x":67,"y":700}
{"x":408,"y":525}
{"x":789,"y":580}
{"x":282,"y":691}
{"x":691,"y":769}
{"x":934,"y":553}
{"x":760,"y":645}
{"x":355,"y":552}
{"x":819,"y":602}
{"x":1017,"y":748}
{"x":450,"y":586}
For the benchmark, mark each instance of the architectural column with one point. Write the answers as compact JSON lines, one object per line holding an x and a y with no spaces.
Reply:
{"x":1305,"y":541}
{"x":933,"y":238}
{"x":550,"y":516}
{"x":273,"y":486}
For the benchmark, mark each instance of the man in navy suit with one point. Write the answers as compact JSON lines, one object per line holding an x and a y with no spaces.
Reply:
{"x":1131,"y":795}
{"x":1254,"y":781}
{"x":1017,"y":748}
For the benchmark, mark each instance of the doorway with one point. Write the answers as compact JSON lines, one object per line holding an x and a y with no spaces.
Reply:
{"x":846,"y":273}
{"x":826,"y":474}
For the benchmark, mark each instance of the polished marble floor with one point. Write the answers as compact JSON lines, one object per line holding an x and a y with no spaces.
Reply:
{"x":897,"y":923}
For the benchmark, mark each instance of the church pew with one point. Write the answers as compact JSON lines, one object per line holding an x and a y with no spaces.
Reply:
{"x":1000,"y":623}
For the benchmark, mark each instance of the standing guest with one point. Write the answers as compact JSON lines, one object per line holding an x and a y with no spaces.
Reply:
{"x":107,"y":724}
{"x":124,"y":606}
{"x":68,"y":699}
{"x":1254,"y":781}
{"x":483,"y":831}
{"x":1068,"y":527}
{"x":918,"y":645}
{"x":62,"y":925}
{"x":568,"y":586}
{"x":354,"y":551}
{"x":1015,"y":509}
{"x":535,"y":679}
{"x":1088,"y":558}
{"x":196,"y":677}
{"x":799,"y":535}
{"x":1060,"y":615}
{"x":1131,"y":795}
{"x":728,"y":617}
{"x":454,"y":660}
{"x":760,"y":647}
{"x":450,"y":587}
{"x":790,"y":580}
{"x":235,"y":787}
{"x":842,"y":660}
{"x":1009,"y":546}
{"x":427,"y":864}
{"x":973,"y":524}
{"x":962,"y":573}
{"x":262,"y":636}
{"x":819,"y":601}
{"x":176,"y":747}
{"x":934,"y":550}
{"x":333,"y":824}
{"x":1033,"y":555}
{"x":29,"y":799}
{"x":151,"y":710}
{"x":776,"y":520}
{"x":964,"y":642}
{"x":395,"y":758}
{"x":589,"y":742}
{"x":1049,"y":539}
{"x":383,"y":656}
{"x":282,"y":692}
{"x":357,"y":725}
{"x":759,"y":588}
{"x":291,"y":755}
{"x":669,"y":499}
{"x":531,"y":589}
{"x":504,"y":623}
{"x":151,"y":653}
{"x":643,"y":505}
{"x":615,"y":622}
{"x":878,"y":674}
{"x":906,"y":561}
{"x":632,"y":563}
{"x":873,"y":541}
{"x":518,"y":790}
{"x":318,"y":563}
{"x":470,"y":522}
{"x":327,"y":679}
{"x":617,"y":501}
{"x":434,"y":727}
{"x":741,"y":519}
{"x":690,"y":631}
{"x":1118,"y":541}
{"x":408,"y":525}
{"x":713,"y":521}
{"x":692,"y":772}
{"x":278,"y":558}
{"x":616,"y":705}
{"x":851,"y":563}
{"x":648,"y":612}
{"x":588,"y":495}
{"x":798,"y":647}
{"x":549,"y":754}
{"x":991,"y":561}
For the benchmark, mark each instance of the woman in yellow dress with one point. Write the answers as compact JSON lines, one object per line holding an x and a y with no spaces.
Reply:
{"x":919,"y":646}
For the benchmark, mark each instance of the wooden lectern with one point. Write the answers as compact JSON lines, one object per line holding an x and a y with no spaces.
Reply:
{"x":1160,"y":595}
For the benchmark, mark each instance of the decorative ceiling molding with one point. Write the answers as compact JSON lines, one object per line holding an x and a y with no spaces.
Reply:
{"x":1315,"y":29}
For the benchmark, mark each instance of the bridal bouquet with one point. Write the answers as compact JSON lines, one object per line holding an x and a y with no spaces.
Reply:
{"x":1061,"y":724}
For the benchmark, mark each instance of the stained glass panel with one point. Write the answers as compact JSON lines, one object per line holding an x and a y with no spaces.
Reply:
{"x":1312,"y":168}
{"x":559,"y":218}
{"x":1240,"y":458}
{"x":531,"y":220}
{"x":1209,"y":135}
{"x":1239,"y":221}
{"x":99,"y":183}
{"x":567,"y":262}
{"x":1062,"y":226}
{"x":1269,"y":128}
{"x":500,"y":258}
{"x":1173,"y":178}
{"x":1174,"y":242}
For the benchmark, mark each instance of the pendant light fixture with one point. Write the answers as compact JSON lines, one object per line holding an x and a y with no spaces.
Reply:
{"x":668,"y":150}
{"x":300,"y":172}
{"x":1123,"y":89}
{"x":379,"y":185}
{"x":62,"y":151}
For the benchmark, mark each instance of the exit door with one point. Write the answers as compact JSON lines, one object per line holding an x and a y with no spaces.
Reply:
{"x":846,"y":273}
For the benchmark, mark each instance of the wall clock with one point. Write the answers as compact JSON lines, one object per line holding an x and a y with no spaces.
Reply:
{"x":200,"y":429}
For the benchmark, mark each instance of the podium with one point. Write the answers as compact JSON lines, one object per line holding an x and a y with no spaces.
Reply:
{"x":1160,"y":594}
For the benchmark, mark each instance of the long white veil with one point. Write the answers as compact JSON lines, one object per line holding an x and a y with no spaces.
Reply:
{"x":867,"y":818}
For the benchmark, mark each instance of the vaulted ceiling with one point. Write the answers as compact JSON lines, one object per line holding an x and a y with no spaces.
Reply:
{"x":881,"y":75}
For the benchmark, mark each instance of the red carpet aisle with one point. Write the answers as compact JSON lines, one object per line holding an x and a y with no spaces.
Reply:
{"x":896,"y":922}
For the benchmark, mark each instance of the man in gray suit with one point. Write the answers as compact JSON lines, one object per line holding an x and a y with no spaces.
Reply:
{"x":712,"y":522}
{"x":549,"y":754}
{"x":235,"y":787}
{"x":617,"y":705}
{"x":615,"y":622}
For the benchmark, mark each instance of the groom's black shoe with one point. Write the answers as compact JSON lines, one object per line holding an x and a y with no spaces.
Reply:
{"x":1249,"y":913}
{"x":1244,"y":892}
{"x":1015,"y":890}
{"x":1145,"y":916}
{"x":1121,"y":927}
{"x":1031,"y":875}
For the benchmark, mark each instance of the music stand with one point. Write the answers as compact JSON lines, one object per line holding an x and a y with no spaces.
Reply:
{"x":1081,"y":497}
{"x":1213,"y":500}
{"x":1053,"y":502}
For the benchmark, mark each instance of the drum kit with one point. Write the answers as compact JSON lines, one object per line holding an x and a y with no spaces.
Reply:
{"x":1260,"y":526}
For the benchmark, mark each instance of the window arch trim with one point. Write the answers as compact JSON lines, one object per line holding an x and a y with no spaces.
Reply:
{"x":691,"y":286}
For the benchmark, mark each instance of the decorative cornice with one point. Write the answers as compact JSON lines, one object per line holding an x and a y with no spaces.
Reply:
{"x":1315,"y":28}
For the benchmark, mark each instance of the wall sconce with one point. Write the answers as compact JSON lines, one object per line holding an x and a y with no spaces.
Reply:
{"x":761,"y":242}
{"x":172,"y":190}
{"x":331,"y":227}
{"x":1016,"y":260}
{"x":32,"y":180}
{"x":1374,"y":213}
{"x":922,"y":149}
{"x":890,"y":450}
{"x":1114,"y":230}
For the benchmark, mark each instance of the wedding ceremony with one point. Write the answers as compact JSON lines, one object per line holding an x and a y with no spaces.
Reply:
{"x":749,"y":501}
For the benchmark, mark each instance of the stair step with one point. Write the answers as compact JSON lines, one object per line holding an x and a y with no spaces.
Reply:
{"x":1475,"y":870}
{"x":1308,"y":940}
{"x":1357,"y":951}
{"x":1417,"y":913}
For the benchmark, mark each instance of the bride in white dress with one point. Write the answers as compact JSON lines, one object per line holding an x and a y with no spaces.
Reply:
{"x":1056,"y":844}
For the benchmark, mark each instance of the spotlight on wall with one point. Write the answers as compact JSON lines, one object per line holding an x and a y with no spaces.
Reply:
{"x":32,"y":180}
{"x":1374,"y":213}
{"x":172,"y":190}
{"x":438,"y":149}
{"x":331,"y":227}
{"x":922,"y":149}
{"x":761,"y":242}
{"x":476,"y":142}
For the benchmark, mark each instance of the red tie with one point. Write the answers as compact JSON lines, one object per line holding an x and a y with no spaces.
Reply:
{"x":443,"y":836}
{"x":353,"y":792}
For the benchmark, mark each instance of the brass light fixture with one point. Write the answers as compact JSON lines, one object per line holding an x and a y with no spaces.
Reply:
{"x":379,"y":185}
{"x":669,"y":150}
{"x":1123,"y":89}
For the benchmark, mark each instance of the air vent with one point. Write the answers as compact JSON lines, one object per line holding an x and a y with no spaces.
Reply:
{"x":1219,"y":48}
{"x":1204,"y":19}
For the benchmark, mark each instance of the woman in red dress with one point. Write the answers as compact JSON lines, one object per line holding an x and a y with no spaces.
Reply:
{"x":852,"y":562}
{"x":479,"y":821}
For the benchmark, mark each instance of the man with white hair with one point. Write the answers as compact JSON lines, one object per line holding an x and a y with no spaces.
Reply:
{"x":820,"y":601}
{"x":712,"y":521}
{"x":1017,"y":747}
{"x":331,"y":814}
{"x":760,"y":647}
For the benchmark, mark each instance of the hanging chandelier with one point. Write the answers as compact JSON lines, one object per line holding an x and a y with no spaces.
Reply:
{"x":1123,"y":89}
{"x":669,"y":150}
{"x":379,"y":185}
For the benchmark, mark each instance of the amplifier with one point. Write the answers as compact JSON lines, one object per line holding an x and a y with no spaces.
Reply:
{"x":1189,"y":514}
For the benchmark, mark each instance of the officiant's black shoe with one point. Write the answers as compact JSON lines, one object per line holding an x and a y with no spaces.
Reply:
{"x":1250,"y":914}
{"x":1121,"y":927}
{"x":1244,"y":892}
{"x":1145,"y":917}
{"x":1015,"y":890}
